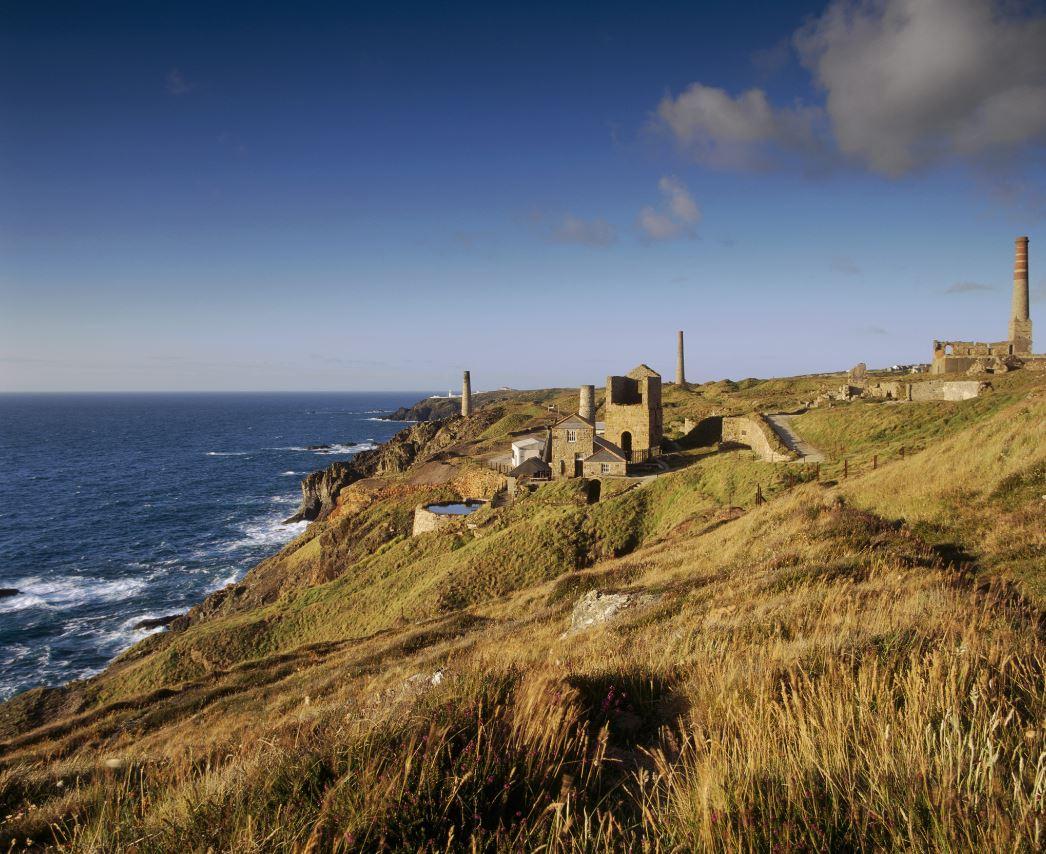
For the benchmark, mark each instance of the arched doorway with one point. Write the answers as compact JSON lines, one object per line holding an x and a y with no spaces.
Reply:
{"x":626,"y":444}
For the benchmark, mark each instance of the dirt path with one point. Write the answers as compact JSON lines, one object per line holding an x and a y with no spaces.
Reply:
{"x":782,"y":425}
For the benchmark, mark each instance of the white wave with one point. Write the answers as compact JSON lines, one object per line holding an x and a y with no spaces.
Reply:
{"x":394,"y":420}
{"x":337,"y":448}
{"x":369,"y":445}
{"x":291,"y":473}
{"x":223,"y":582}
{"x":227,"y":453}
{"x":66,"y":592}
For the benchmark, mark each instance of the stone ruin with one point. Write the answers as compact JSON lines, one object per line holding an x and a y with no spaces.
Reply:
{"x":978,"y":357}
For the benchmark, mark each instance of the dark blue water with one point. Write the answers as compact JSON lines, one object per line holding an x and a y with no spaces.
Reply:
{"x":114,"y":508}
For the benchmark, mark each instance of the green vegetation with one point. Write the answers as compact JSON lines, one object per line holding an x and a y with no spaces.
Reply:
{"x":857,"y":666}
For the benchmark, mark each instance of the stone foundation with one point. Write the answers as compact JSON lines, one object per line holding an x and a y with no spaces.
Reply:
{"x":426,"y":521}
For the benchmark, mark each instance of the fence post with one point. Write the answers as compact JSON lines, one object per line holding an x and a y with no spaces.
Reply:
{"x":846,"y":468}
{"x":759,"y":494}
{"x":902,"y":452}
{"x":875,"y":461}
{"x":817,"y":473}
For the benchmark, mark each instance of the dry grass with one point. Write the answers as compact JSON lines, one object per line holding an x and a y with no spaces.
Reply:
{"x":858,"y":668}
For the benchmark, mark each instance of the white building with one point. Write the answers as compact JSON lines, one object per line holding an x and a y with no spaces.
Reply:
{"x":525,"y":449}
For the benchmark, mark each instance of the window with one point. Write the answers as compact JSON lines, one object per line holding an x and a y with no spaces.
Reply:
{"x":604,"y":468}
{"x":571,"y":436}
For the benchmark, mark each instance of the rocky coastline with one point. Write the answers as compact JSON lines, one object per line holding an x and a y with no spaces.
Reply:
{"x":319,"y":490}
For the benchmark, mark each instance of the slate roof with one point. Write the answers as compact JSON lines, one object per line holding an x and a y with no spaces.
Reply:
{"x":531,"y":467}
{"x":574,"y":421}
{"x":606,"y":452}
{"x":642,"y":371}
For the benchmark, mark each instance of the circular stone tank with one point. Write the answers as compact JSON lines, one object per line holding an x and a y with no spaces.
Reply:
{"x":443,"y":514}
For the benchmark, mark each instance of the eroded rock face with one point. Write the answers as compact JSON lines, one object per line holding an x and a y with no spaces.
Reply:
{"x":319,"y":490}
{"x":595,"y":608}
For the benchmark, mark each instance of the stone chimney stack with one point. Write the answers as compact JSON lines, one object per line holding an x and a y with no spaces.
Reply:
{"x":1020,"y":319}
{"x":466,"y":396}
{"x":680,"y":372}
{"x":587,"y":406}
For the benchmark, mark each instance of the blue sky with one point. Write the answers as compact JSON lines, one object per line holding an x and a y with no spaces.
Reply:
{"x":375,"y":196}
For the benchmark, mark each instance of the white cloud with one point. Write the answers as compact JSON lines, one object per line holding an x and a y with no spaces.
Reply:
{"x":680,"y":202}
{"x":658,"y":226}
{"x":906,"y":83}
{"x":842,"y":264}
{"x":176,"y":83}
{"x":593,"y":232}
{"x":677,"y":216}
{"x":967,"y":288}
{"x":740,"y":132}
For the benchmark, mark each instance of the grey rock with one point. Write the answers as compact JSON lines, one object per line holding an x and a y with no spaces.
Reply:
{"x":595,"y":608}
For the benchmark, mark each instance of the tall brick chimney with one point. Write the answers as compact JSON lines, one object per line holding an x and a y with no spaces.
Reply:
{"x":680,"y":372}
{"x":587,"y":405}
{"x":466,"y":395}
{"x":1020,"y":319}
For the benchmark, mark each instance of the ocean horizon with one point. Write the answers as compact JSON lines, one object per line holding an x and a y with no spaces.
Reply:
{"x":118,"y":507}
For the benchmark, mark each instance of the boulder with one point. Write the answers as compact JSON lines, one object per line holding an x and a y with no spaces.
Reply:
{"x":156,"y":622}
{"x":5,"y":592}
{"x":595,"y":608}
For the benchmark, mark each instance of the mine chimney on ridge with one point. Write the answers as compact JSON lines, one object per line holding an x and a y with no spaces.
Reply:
{"x":466,"y":396}
{"x":1020,"y":319}
{"x":680,"y":371}
{"x":587,"y":405}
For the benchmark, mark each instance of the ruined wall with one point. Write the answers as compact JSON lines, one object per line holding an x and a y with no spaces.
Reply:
{"x":957,"y":357}
{"x":753,"y":431}
{"x":948,"y":389}
{"x":891,"y":390}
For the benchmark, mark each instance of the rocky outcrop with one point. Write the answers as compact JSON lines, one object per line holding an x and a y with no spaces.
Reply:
{"x":442,"y":408}
{"x":595,"y":608}
{"x":319,"y":491}
{"x":8,"y":591}
{"x":156,"y":622}
{"x":419,"y":442}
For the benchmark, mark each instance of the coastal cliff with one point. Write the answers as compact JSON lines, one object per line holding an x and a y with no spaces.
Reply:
{"x":319,"y":490}
{"x":440,"y":408}
{"x":365,"y":687}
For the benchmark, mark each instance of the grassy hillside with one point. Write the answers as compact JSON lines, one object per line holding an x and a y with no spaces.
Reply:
{"x":855,"y":666}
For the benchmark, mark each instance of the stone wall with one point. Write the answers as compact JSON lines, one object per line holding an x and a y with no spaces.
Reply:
{"x":956,"y":357}
{"x":890,"y":390}
{"x":947,"y":389}
{"x":564,"y":453}
{"x":613,"y":468}
{"x":753,"y":431}
{"x":426,"y":521}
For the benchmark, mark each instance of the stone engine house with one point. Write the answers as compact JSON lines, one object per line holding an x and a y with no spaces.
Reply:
{"x":632,"y":434}
{"x":633,"y":413}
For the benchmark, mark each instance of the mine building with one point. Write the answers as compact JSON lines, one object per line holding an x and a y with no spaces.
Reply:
{"x":632,"y":431}
{"x":951,"y":357}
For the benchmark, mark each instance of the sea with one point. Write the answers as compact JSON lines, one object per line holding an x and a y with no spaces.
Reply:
{"x":115,"y":508}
